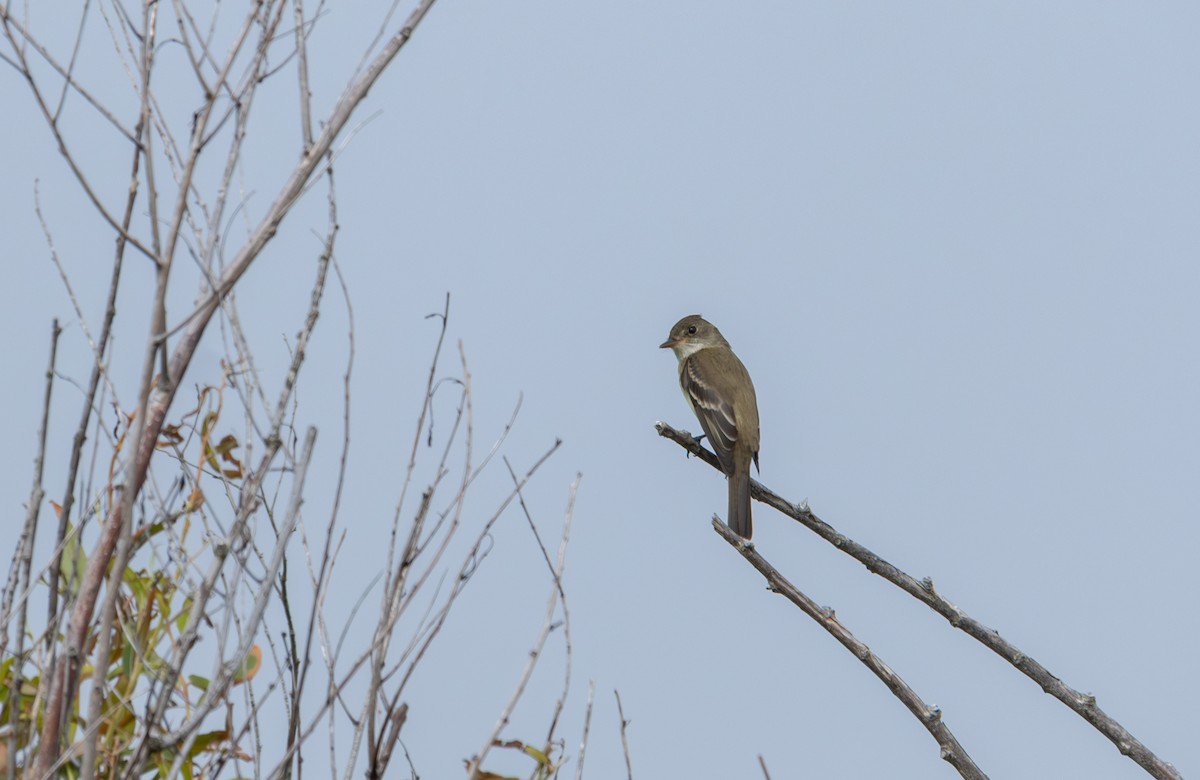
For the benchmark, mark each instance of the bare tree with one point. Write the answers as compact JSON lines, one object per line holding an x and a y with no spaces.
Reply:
{"x":180,"y":511}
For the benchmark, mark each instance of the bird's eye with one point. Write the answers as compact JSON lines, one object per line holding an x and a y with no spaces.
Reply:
{"x":691,"y":330}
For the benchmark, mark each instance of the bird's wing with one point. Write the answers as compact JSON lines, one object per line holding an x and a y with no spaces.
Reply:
{"x":712,"y":408}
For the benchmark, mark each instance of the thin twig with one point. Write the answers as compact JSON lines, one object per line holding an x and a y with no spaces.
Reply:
{"x":587,"y":725}
{"x":624,"y":738}
{"x":302,"y":73}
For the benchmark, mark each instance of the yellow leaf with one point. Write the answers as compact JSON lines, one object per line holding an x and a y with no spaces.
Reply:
{"x":195,"y":500}
{"x":250,"y":665}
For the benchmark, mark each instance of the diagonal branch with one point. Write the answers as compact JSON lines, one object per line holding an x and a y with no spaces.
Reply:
{"x":1082,"y":704}
{"x":929,"y":717}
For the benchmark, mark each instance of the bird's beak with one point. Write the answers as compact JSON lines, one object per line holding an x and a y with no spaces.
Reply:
{"x":669,"y":343}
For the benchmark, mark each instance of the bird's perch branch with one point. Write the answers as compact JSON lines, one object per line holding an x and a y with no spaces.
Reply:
{"x":1082,"y":704}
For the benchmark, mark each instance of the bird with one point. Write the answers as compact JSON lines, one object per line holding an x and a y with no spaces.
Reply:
{"x":721,"y":395}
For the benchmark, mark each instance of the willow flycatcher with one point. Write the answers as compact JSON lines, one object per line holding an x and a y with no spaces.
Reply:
{"x":718,"y":388}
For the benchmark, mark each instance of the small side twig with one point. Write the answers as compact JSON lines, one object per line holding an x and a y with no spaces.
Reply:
{"x":587,"y":725}
{"x":624,"y":737}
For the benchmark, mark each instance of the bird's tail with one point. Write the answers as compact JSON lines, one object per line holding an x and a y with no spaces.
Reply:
{"x":739,"y":495}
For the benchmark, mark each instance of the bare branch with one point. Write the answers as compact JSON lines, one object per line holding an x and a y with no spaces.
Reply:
{"x":16,"y":35}
{"x":104,"y":633}
{"x":301,"y":32}
{"x":148,"y":480}
{"x":929,"y":717}
{"x":22,"y":37}
{"x":1083,"y":705}
{"x":587,"y":725}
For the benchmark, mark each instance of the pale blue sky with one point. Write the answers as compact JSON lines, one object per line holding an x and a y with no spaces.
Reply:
{"x":956,"y":245}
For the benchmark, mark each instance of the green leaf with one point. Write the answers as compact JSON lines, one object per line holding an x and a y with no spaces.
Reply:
{"x":182,"y":619}
{"x":537,"y":755}
{"x":127,"y":657}
{"x":203,"y":741}
{"x":74,"y":561}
